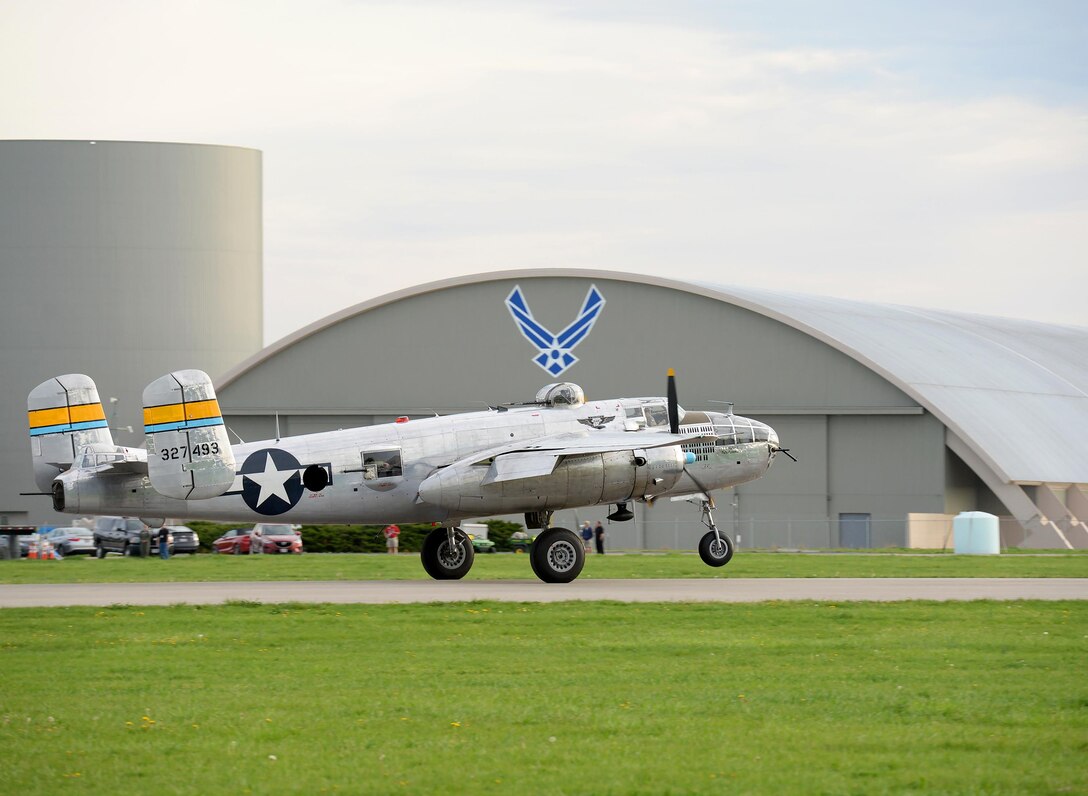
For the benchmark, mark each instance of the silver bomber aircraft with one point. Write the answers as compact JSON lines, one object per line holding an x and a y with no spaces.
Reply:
{"x":558,"y":451}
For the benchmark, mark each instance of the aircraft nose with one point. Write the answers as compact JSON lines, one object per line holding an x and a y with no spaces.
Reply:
{"x":772,"y":437}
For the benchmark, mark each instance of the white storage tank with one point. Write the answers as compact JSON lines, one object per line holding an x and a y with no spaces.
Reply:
{"x":976,"y":533}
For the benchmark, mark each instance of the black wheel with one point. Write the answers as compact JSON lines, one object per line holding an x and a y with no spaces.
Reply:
{"x":440,"y":561}
{"x":557,"y":555}
{"x":128,"y":550}
{"x":713,"y":552}
{"x":99,"y":551}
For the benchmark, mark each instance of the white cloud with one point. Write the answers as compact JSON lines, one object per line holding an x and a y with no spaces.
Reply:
{"x":409,"y":142}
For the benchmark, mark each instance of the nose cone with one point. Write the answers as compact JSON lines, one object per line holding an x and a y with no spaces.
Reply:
{"x":772,"y":437}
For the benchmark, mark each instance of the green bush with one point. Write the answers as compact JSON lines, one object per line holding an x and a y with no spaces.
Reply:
{"x":499,"y":532}
{"x":355,"y":538}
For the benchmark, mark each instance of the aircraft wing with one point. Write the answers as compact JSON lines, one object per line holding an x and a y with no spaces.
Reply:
{"x":540,"y":456}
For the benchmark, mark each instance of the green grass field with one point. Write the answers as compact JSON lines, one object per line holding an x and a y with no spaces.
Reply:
{"x":354,"y":566}
{"x":593,"y":698}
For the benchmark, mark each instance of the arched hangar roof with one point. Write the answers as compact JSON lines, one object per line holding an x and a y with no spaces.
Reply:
{"x":1015,"y":391}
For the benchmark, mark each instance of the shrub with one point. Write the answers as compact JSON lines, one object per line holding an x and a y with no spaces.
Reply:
{"x":355,"y":538}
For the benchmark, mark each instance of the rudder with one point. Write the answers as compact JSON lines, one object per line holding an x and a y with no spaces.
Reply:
{"x":188,"y":454}
{"x":64,"y":414}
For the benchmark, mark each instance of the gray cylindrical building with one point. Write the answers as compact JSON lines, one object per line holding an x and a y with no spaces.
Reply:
{"x":121,"y":260}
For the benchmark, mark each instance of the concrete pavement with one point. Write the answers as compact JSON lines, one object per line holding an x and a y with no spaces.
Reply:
{"x":727,"y":590}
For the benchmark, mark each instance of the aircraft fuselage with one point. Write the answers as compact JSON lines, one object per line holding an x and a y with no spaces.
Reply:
{"x":432,"y":469}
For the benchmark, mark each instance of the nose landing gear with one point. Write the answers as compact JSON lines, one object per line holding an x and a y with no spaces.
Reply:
{"x":715,"y":548}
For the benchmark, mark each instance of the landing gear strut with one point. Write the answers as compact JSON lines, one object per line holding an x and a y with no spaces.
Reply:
{"x":715,"y":548}
{"x":447,"y":554}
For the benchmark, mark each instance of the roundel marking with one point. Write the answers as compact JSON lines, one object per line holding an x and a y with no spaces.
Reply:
{"x":271,"y":481}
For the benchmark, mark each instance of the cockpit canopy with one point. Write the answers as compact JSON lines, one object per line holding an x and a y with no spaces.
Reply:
{"x":562,"y":393}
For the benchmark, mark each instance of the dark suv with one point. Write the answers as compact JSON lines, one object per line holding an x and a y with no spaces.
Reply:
{"x":122,"y":535}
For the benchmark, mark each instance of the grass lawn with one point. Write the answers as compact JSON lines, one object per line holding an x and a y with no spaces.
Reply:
{"x":592,"y":698}
{"x":356,"y":566}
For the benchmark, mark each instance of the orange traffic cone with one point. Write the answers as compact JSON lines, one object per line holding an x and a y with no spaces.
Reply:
{"x":47,"y":551}
{"x":32,"y":549}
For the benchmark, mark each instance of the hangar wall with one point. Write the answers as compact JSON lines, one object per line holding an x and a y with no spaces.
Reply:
{"x":864,"y":446}
{"x":121,"y":260}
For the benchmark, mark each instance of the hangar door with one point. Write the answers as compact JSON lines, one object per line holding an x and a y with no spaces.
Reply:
{"x":854,"y":530}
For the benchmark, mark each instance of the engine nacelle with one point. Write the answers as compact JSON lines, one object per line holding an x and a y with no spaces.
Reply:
{"x":579,"y":480}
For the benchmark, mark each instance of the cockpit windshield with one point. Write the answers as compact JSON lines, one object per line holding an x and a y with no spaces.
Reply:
{"x":736,"y":430}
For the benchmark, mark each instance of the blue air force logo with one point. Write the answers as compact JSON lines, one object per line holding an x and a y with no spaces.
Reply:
{"x":555,"y":349}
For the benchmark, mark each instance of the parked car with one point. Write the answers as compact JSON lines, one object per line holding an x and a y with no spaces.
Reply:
{"x":71,"y":541}
{"x":184,"y":538}
{"x":275,"y":538}
{"x":24,"y":544}
{"x":236,"y":542}
{"x":122,"y":535}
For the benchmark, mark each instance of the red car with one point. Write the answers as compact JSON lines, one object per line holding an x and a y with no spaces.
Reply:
{"x":262,"y":538}
{"x":275,"y":538}
{"x":236,"y":542}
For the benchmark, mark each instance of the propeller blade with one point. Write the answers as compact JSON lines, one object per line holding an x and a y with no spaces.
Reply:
{"x":674,"y":411}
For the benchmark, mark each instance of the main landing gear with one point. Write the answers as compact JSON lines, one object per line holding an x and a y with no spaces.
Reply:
{"x":447,"y":554}
{"x":715,"y":548}
{"x":557,"y":555}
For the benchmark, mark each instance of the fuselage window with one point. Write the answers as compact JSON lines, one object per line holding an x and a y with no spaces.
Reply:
{"x":381,"y":464}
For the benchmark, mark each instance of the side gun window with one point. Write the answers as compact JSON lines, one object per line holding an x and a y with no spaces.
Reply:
{"x":381,"y":464}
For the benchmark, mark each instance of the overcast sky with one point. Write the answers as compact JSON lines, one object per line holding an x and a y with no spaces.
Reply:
{"x":929,"y":152}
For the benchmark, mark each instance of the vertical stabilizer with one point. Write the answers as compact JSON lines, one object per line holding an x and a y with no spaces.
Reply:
{"x":188,"y":454}
{"x":64,"y":415}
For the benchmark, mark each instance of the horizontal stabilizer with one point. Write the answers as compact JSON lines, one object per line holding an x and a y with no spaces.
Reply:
{"x":188,"y":454}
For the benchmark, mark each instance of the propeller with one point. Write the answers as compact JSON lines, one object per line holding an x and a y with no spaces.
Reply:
{"x":674,"y":410}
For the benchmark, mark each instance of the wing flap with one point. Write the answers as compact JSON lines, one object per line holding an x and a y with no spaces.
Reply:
{"x":513,"y":466}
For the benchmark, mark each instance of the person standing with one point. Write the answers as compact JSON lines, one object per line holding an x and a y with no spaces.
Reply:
{"x":164,"y":543}
{"x":598,"y":533}
{"x":587,"y":535}
{"x":392,"y":539}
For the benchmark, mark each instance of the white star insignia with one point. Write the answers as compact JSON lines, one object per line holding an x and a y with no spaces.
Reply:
{"x":273,"y":482}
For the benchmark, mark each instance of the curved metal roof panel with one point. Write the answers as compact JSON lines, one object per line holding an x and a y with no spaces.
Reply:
{"x":1016,"y":391}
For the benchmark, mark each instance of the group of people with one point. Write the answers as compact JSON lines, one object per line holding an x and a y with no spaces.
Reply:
{"x":591,"y":534}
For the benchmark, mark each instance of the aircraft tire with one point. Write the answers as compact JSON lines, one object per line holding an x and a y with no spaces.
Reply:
{"x":557,"y":555}
{"x":437,"y":561}
{"x":711,"y":553}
